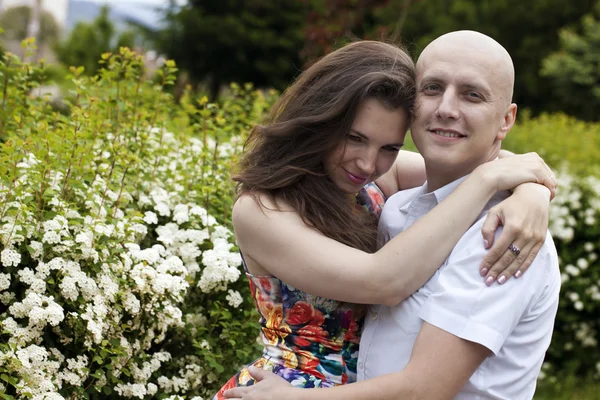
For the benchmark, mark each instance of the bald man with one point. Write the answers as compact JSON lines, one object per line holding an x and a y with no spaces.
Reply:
{"x":455,"y":338}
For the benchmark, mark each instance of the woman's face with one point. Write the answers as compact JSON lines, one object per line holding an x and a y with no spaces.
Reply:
{"x":370,"y":148}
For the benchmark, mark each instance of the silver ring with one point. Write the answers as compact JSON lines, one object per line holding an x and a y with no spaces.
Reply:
{"x":515,"y":250}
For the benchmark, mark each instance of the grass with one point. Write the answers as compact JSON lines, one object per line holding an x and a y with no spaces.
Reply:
{"x":570,"y":389}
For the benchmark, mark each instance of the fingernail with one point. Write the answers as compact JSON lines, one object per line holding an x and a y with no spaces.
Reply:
{"x":489,"y":280}
{"x":502,"y":279}
{"x":485,"y":243}
{"x":518,"y":274}
{"x":483,"y":272}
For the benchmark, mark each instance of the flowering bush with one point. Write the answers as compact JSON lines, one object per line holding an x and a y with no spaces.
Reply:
{"x":575,"y":226}
{"x":118,"y":276}
{"x":572,"y":147}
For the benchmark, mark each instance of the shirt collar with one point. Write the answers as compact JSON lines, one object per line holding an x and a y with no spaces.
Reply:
{"x":443,"y":192}
{"x":439,"y":194}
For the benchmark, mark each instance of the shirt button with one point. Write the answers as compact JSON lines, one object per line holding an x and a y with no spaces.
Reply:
{"x":374,"y":316}
{"x":361,"y":365}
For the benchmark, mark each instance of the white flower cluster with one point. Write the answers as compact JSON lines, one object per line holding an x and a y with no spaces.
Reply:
{"x":234,"y":298}
{"x":10,"y":257}
{"x":109,"y":269}
{"x":221,"y":266}
{"x":41,"y":366}
{"x":586,"y":335}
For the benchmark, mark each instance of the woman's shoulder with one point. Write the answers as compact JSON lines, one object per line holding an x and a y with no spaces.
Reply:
{"x":259,"y":201}
{"x":255,"y":208}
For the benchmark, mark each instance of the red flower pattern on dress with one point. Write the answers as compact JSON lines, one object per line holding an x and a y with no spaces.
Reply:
{"x":301,"y":313}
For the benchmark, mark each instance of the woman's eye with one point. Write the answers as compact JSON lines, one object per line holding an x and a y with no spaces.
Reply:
{"x":355,"y":138}
{"x":393,"y":149}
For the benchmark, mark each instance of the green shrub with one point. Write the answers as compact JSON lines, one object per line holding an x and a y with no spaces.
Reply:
{"x":561,"y":140}
{"x":118,"y":278}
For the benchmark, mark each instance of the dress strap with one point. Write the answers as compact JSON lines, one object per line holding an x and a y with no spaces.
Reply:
{"x":244,"y":263}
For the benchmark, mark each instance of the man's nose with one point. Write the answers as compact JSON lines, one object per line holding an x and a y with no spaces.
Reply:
{"x":448,"y":106}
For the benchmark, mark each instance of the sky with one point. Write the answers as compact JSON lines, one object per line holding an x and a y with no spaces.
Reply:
{"x":149,"y":2}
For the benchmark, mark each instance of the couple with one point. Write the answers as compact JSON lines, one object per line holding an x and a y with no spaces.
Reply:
{"x":444,"y":329}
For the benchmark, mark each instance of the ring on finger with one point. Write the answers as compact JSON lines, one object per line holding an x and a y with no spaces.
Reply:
{"x":514,"y":249}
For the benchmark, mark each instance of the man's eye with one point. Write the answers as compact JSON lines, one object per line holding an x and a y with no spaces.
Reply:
{"x":431,"y":88}
{"x":474,"y":96}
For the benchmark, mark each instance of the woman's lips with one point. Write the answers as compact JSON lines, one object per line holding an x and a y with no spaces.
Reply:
{"x":357,"y":179}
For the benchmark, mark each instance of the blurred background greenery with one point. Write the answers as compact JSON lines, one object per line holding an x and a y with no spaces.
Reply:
{"x":555,"y":44}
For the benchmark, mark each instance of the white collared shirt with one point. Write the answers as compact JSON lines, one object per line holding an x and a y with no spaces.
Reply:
{"x":514,"y":320}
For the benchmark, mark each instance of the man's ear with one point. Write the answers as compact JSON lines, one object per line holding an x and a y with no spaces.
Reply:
{"x":507,"y":121}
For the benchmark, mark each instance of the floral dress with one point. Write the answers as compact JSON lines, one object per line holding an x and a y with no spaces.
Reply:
{"x":310,"y":341}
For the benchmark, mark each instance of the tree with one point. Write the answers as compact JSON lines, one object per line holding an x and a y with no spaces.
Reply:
{"x":329,"y":21}
{"x":87,"y":42}
{"x":527,"y":29}
{"x":223,"y":41}
{"x":575,"y":68}
{"x":15,"y":22}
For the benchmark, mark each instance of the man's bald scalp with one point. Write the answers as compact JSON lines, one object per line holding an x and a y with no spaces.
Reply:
{"x":471,"y":41}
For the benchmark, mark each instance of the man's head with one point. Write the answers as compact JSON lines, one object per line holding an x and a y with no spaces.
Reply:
{"x":464,"y":92}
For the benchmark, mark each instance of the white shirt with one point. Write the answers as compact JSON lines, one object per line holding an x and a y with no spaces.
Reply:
{"x":514,"y":320}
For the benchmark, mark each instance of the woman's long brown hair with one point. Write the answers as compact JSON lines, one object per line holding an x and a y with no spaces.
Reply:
{"x":284,"y":157}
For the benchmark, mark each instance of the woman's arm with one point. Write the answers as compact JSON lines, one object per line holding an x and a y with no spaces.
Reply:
{"x":285,"y":247}
{"x":523,"y":215}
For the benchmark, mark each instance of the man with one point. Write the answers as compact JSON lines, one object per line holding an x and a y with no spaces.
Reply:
{"x":455,"y":337}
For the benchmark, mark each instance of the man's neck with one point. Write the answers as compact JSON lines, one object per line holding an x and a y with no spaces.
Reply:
{"x":437,"y":179}
{"x":441,"y":174}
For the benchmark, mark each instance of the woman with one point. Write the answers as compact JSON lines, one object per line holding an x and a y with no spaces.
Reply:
{"x":332,"y":141}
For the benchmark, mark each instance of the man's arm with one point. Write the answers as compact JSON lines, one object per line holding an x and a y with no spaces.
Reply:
{"x":439,"y":367}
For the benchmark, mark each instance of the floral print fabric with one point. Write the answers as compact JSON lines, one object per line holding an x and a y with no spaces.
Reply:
{"x":310,"y":341}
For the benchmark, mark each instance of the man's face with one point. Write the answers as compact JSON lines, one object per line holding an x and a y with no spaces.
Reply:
{"x":462,"y":109}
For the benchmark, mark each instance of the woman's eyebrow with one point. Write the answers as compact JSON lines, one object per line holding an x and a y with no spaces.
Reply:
{"x":362,"y":135}
{"x":359,"y":133}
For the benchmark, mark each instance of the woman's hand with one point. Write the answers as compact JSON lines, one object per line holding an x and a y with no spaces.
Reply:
{"x":268,"y":386}
{"x":524,"y":217}
{"x":509,"y":172}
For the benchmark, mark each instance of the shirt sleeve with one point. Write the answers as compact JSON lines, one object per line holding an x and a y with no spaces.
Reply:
{"x":463,"y":305}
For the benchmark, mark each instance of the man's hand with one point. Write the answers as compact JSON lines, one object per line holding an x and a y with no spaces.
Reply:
{"x":268,"y":387}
